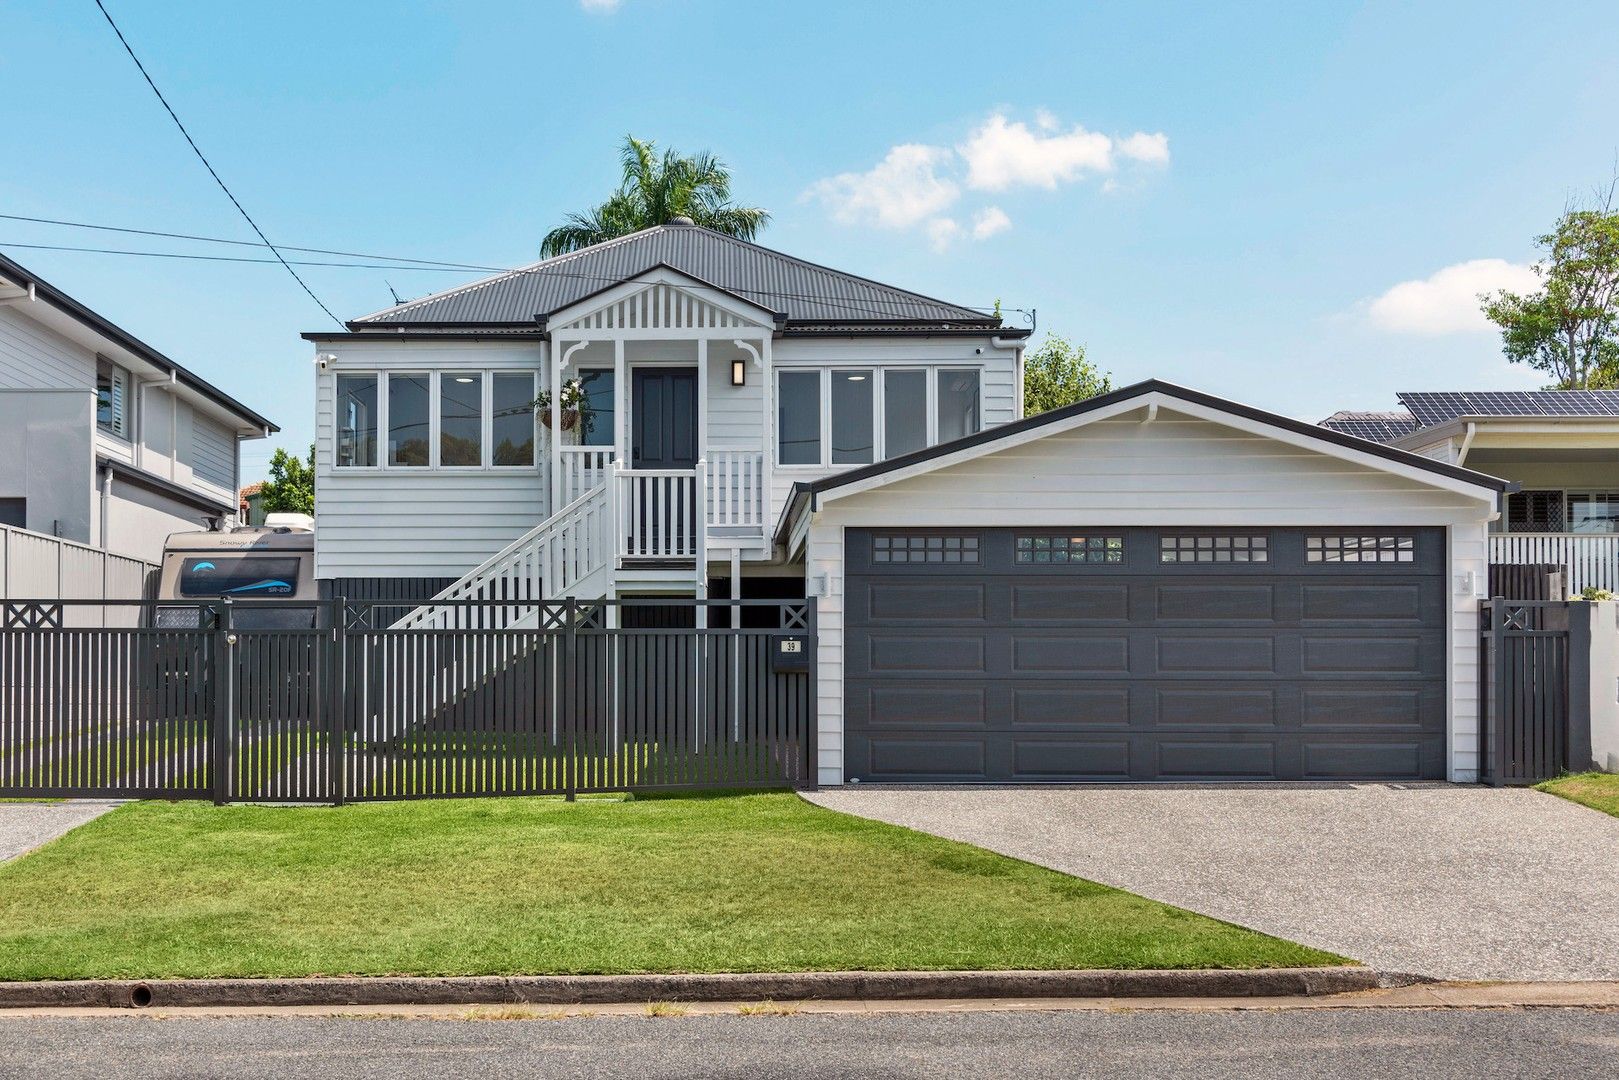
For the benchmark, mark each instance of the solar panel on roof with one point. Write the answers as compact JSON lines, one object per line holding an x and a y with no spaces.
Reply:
{"x":1444,"y":406}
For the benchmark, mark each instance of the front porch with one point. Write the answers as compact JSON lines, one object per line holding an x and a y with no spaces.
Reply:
{"x":1587,"y":560}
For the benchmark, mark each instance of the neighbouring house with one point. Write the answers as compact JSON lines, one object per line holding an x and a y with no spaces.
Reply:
{"x":1154,"y":584}
{"x":104,"y":440}
{"x":1561,"y":447}
{"x":251,"y":508}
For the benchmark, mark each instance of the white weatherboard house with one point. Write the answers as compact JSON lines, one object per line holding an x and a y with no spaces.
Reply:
{"x":104,"y":441}
{"x":1153,"y":584}
{"x":1560,"y":446}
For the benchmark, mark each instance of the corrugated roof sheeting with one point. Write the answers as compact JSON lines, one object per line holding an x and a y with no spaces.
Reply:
{"x":779,"y":283}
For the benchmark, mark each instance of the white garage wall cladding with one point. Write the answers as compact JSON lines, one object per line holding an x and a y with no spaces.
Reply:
{"x":1177,"y":469}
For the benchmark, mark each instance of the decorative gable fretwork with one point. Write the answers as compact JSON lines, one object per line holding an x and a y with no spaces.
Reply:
{"x":660,"y":307}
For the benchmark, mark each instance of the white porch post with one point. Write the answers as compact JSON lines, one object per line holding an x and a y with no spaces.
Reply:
{"x":554,"y":428}
{"x":767,"y":462}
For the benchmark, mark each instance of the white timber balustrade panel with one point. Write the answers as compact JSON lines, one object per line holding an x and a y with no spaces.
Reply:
{"x":660,"y":511}
{"x":1590,"y":561}
{"x":736,"y":491}
{"x":584,"y":468}
{"x":568,"y":554}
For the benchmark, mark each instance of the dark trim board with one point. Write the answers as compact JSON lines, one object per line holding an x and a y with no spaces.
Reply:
{"x":167,"y":488}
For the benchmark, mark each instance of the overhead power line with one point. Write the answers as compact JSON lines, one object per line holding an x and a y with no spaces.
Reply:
{"x":207,"y":165}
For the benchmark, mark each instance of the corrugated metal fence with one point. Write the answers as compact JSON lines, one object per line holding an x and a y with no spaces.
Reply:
{"x":34,"y":564}
{"x":353,"y":710}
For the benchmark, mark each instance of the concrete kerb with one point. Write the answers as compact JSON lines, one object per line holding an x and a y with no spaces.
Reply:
{"x":622,"y":989}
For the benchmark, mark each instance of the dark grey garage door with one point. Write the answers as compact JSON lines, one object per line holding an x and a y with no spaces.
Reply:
{"x":1144,"y":654}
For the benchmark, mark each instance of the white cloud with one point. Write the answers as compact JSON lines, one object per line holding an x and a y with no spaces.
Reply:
{"x":1003,"y":154}
{"x":942,"y":232}
{"x":989,"y":221}
{"x":1152,"y":149}
{"x":600,"y":7}
{"x":1446,"y":302}
{"x":904,"y":189}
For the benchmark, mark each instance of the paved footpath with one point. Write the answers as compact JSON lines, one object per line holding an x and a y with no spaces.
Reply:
{"x":24,"y":826}
{"x":1452,"y":882}
{"x":1293,"y":1044}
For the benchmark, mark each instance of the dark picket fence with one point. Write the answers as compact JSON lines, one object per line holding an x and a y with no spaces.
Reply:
{"x":227,"y":701}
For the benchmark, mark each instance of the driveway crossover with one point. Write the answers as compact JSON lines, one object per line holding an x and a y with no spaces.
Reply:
{"x":1447,"y":881}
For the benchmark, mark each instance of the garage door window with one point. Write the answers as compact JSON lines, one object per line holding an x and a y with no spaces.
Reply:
{"x":1213,"y":549}
{"x":1360,"y":549}
{"x":924,"y":549}
{"x":1070,"y":549}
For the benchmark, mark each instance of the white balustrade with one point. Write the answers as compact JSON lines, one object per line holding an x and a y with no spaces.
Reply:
{"x":735,"y":491}
{"x":659,"y":512}
{"x":584,"y":468}
{"x":1591,"y":560}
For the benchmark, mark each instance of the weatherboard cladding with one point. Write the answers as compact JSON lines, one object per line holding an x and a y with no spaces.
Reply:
{"x":804,"y":292}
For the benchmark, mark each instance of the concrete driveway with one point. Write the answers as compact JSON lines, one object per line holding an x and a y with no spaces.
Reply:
{"x":1450,"y":882}
{"x":26,"y":825}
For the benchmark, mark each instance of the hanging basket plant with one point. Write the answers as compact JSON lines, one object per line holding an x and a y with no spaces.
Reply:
{"x":573,"y":406}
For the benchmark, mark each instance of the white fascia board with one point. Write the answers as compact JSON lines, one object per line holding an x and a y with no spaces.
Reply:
{"x":1505,"y":425}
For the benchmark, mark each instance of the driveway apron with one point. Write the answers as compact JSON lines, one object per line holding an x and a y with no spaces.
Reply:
{"x":1454,"y":882}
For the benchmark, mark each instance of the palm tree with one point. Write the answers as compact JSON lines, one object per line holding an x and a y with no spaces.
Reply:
{"x":655,"y":191}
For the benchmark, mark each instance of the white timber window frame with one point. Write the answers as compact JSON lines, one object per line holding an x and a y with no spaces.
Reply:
{"x":434,"y":377}
{"x":878,"y":373}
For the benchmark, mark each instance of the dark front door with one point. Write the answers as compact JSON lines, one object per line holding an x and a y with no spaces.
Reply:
{"x":663,"y":418}
{"x":663,"y":438}
{"x":1042,"y":654}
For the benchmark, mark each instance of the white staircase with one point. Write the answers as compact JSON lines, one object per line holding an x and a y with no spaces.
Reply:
{"x":572,"y":553}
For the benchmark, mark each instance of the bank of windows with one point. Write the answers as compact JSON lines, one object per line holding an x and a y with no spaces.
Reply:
{"x":924,"y":549}
{"x":1213,"y":549}
{"x":1360,"y":549}
{"x":435,"y":419}
{"x":1043,"y":549}
{"x":112,"y":399}
{"x":827,"y":417}
{"x":1556,"y":510}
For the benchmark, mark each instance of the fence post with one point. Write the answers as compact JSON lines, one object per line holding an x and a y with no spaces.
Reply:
{"x":1577,"y":735}
{"x":812,"y":707}
{"x":1498,"y":702}
{"x":223,"y":685}
{"x":570,"y":698}
{"x":337,"y":668}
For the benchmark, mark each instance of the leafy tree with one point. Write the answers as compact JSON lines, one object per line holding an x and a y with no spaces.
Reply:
{"x":654,"y":190}
{"x":291,"y":487}
{"x":1059,"y":373}
{"x":1569,"y":327}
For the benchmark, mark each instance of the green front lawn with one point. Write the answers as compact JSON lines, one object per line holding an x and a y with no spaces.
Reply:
{"x":741,"y":883}
{"x":1599,"y":791}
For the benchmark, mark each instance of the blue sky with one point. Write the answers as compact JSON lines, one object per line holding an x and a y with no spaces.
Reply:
{"x":1288,"y":204}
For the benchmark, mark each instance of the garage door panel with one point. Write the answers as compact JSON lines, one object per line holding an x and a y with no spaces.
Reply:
{"x":1214,"y":707}
{"x":1071,"y":759}
{"x":1358,"y":708}
{"x":1366,"y":601}
{"x":1215,"y":654}
{"x":1097,"y":655}
{"x":1068,"y":705}
{"x":881,"y":706}
{"x":1188,"y":600}
{"x":1389,"y":654}
{"x":1201,"y":759}
{"x":1309,"y":664}
{"x":931,"y":655}
{"x":905,"y":600}
{"x":1061,"y":601}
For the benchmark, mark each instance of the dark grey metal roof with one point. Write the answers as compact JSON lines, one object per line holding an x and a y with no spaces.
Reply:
{"x":802,"y":291}
{"x":1431,"y":409}
{"x":1373,"y":426}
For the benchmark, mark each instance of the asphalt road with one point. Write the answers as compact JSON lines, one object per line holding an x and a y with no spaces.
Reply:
{"x":1297,"y":1045}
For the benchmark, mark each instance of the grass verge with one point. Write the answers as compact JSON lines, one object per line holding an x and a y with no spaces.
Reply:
{"x":1599,"y":791}
{"x":763,"y":882}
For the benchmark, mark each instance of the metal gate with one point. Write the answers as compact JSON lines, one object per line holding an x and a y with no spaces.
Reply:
{"x":1526,"y":723}
{"x":349,"y":710}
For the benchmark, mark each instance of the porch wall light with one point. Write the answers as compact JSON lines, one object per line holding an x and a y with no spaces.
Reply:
{"x":739,"y":372}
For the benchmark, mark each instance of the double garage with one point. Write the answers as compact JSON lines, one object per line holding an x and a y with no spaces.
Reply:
{"x":1022,"y":654}
{"x":1153,"y":585}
